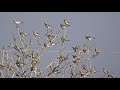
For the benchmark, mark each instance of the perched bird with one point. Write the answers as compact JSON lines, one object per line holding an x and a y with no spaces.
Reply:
{"x":23,"y":34}
{"x":76,"y":48}
{"x":17,"y":48}
{"x":97,"y":51}
{"x":63,"y":39}
{"x":88,"y":37}
{"x":61,"y":57}
{"x":110,"y":76}
{"x":53,"y":43}
{"x":66,"y":22}
{"x":19,"y":64}
{"x":50,"y":37}
{"x":35,"y":33}
{"x":74,"y":56}
{"x":76,"y":59}
{"x":17,"y":22}
{"x":92,"y":70}
{"x":63,"y":26}
{"x":47,"y":26}
{"x":84,"y":67}
{"x":82,"y":73}
{"x":84,"y":51}
{"x":105,"y":71}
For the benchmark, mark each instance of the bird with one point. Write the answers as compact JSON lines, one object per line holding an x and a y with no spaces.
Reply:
{"x":84,"y":67}
{"x":47,"y":26}
{"x":61,"y":57}
{"x":35,"y":33}
{"x":76,"y":48}
{"x":23,"y":34}
{"x":84,"y":51}
{"x":17,"y":23}
{"x":105,"y":71}
{"x":74,"y":56}
{"x":88,"y":37}
{"x":50,"y":37}
{"x":97,"y":51}
{"x":92,"y":70}
{"x":63,"y":39}
{"x":82,"y":73}
{"x":66,"y":22}
{"x":63,"y":26}
{"x":76,"y":59}
{"x":53,"y":43}
{"x":17,"y":48}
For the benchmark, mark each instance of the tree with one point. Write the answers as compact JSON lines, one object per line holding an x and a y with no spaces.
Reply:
{"x":24,"y":62}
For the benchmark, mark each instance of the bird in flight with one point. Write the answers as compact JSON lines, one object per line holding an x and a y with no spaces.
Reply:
{"x":17,"y":23}
{"x":88,"y":37}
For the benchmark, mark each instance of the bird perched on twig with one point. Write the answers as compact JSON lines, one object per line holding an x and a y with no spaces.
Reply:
{"x":50,"y":37}
{"x":82,"y":73}
{"x":74,"y":56}
{"x":76,"y":48}
{"x":61,"y":57}
{"x":35,"y":33}
{"x":76,"y":59}
{"x":97,"y":51}
{"x":67,"y":23}
{"x":17,"y":23}
{"x":105,"y":71}
{"x":88,"y":37}
{"x":63,"y":39}
{"x":23,"y":34}
{"x":48,"y":27}
{"x":63,"y":26}
{"x":53,"y":43}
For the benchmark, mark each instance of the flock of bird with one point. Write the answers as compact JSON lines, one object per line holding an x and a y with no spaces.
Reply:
{"x":63,"y":39}
{"x":50,"y":37}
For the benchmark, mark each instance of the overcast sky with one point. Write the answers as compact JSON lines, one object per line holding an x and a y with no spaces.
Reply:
{"x":104,"y":26}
